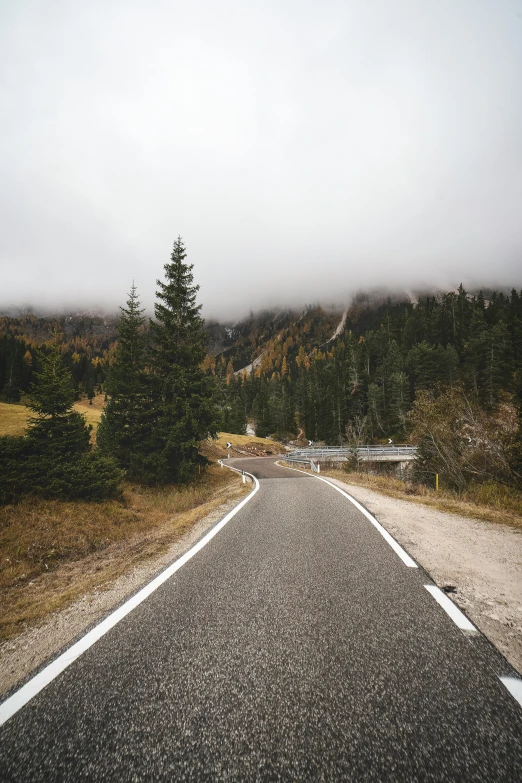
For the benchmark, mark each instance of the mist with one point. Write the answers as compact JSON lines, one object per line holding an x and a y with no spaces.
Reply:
{"x":303,"y":151}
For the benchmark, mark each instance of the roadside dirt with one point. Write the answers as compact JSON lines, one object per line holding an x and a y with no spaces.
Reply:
{"x":483,"y":560}
{"x":26,"y":652}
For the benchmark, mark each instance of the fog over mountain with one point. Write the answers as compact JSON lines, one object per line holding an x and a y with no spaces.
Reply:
{"x":302,"y":150}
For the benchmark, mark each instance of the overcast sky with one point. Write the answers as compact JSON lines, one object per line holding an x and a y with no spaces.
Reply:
{"x":303,"y":150}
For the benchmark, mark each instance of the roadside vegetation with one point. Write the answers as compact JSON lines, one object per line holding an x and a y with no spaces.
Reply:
{"x":490,"y":501}
{"x":53,"y":551}
{"x":90,"y":487}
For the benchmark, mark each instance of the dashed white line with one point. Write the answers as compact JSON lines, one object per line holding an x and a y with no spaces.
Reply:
{"x":458,"y":617}
{"x":514,"y":686}
{"x":37,"y":683}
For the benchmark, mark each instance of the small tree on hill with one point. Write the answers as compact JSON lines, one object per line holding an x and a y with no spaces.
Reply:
{"x":55,"y":458}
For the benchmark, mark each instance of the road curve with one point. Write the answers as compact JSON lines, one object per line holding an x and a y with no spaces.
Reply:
{"x":296,"y":645}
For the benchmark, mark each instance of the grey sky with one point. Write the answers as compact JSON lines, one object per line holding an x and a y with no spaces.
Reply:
{"x":303,"y":150}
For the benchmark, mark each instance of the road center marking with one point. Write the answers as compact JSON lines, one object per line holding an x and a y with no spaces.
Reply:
{"x":514,"y":686}
{"x":37,"y":683}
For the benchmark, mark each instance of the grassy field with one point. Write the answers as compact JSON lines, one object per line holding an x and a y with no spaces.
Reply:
{"x":248,"y":442}
{"x":13,"y":418}
{"x":491,"y":502}
{"x":91,"y":412}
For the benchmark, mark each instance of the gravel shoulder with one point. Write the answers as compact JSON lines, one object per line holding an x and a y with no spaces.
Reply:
{"x":483,"y":560}
{"x":27,"y":652}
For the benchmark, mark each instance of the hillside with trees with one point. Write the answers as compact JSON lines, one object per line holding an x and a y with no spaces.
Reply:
{"x":87,"y":345}
{"x":296,"y":375}
{"x":393,"y":365}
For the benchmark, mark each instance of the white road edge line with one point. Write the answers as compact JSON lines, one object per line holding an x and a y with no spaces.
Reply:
{"x":397,"y":548}
{"x":458,"y":617}
{"x":514,"y":686}
{"x":37,"y":683}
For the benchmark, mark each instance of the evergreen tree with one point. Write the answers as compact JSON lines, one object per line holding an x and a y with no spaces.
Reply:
{"x":55,"y":458}
{"x":262,"y":410}
{"x":232,"y":404}
{"x":185,"y":404}
{"x":398,"y":403}
{"x":128,"y":415}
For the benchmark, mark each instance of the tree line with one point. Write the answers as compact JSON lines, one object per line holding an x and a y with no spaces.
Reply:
{"x":87,"y":344}
{"x":375,"y":373}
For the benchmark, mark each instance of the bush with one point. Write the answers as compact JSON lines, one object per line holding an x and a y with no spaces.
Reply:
{"x":25,"y":472}
{"x":460,"y":441}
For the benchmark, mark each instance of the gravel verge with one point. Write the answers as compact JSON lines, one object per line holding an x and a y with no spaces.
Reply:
{"x":482,"y":560}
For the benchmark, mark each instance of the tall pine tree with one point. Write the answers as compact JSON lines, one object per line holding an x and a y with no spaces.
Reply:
{"x":184,"y":396}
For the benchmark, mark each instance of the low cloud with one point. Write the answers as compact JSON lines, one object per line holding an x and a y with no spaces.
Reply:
{"x":303,"y":151}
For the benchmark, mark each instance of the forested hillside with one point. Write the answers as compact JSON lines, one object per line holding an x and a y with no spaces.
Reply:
{"x":387,"y":354}
{"x":304,"y":382}
{"x":87,"y":346}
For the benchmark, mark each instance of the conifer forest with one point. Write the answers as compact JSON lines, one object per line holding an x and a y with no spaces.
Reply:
{"x":381,"y":371}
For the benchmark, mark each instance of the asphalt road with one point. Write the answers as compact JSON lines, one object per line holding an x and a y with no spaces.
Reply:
{"x":295,"y":646}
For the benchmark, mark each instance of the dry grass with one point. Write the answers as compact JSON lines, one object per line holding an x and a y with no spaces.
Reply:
{"x":13,"y":418}
{"x":13,"y":421}
{"x":491,"y":502}
{"x":248,"y":443}
{"x":51,"y":552}
{"x":91,"y":412}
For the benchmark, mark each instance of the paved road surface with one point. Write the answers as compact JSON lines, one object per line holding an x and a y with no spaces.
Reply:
{"x":295,"y":646}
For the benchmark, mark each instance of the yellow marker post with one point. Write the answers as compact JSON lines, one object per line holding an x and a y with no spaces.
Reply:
{"x":436,"y":482}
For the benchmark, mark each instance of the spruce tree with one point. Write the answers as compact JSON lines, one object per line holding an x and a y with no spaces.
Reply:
{"x":55,"y":458}
{"x":128,"y":415}
{"x":184,"y":396}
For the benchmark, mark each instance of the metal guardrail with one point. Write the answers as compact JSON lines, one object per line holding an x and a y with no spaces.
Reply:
{"x":368,"y":451}
{"x":297,"y":461}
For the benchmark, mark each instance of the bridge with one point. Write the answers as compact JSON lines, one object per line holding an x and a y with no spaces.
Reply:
{"x":401,"y":455}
